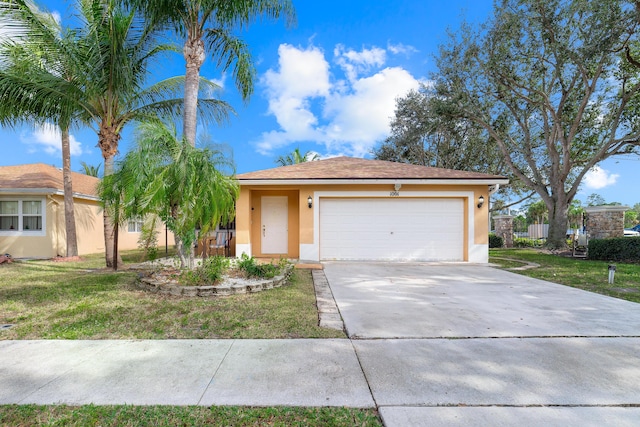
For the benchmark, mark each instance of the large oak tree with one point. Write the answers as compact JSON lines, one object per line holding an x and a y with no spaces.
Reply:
{"x":420,"y":135}
{"x":547,"y":81}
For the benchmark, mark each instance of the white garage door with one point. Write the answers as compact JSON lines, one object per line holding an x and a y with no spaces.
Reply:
{"x":392,"y":229}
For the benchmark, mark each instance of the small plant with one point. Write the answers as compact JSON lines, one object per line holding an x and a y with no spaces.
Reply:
{"x":210,"y":272}
{"x":148,"y":240}
{"x":251,"y":268}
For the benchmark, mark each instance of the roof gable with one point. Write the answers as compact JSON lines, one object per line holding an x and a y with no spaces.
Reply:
{"x":47,"y":178}
{"x":341,"y":168}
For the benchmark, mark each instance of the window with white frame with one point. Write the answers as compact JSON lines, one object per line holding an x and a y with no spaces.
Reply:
{"x":135,"y":225}
{"x":18,"y":215}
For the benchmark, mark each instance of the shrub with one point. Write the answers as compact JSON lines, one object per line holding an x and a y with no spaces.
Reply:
{"x":523,"y":242}
{"x":495,"y":241}
{"x":265,"y":271}
{"x":625,"y":249}
{"x":211,"y":271}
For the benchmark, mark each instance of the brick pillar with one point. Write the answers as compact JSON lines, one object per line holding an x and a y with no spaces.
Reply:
{"x":504,"y":229}
{"x":605,"y":221}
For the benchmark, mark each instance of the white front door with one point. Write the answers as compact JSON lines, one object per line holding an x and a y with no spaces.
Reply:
{"x":275,"y":225}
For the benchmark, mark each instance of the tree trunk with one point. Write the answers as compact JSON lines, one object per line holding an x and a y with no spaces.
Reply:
{"x":108,"y":140}
{"x":116,"y":258}
{"x":194,"y":55}
{"x":181,"y":251}
{"x":108,"y":224}
{"x":558,"y":222}
{"x":109,"y":228}
{"x":69,"y":210}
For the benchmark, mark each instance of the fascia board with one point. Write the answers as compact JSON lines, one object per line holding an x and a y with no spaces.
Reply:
{"x":465,"y":181}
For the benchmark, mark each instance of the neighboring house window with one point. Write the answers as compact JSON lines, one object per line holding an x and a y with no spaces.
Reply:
{"x":26,"y":216}
{"x":135,"y":225}
{"x":9,"y":218}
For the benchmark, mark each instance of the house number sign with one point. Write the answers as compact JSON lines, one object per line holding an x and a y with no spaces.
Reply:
{"x":394,"y":194}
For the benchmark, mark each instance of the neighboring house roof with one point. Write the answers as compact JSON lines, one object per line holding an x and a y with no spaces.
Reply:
{"x":39,"y":178}
{"x":349,"y":170}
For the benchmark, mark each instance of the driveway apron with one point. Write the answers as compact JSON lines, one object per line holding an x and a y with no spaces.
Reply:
{"x":447,"y":344}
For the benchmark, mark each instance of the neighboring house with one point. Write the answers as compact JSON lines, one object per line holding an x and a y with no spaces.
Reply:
{"x":356,"y":209}
{"x":32,"y":214}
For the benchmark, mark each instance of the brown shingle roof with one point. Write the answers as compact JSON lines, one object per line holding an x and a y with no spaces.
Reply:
{"x":45,"y":177}
{"x":357,"y":168}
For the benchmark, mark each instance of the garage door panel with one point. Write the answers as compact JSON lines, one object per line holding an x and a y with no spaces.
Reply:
{"x":392,"y":229}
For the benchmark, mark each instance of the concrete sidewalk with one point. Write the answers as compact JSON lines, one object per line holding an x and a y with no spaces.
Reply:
{"x":471,"y":382}
{"x":185,"y":372}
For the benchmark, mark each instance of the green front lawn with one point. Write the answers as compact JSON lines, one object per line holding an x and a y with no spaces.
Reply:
{"x":81,"y":300}
{"x":121,"y":415}
{"x":579,"y":273}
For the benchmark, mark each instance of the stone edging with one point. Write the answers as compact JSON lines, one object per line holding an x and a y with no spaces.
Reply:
{"x":224,"y":289}
{"x":328,"y":313}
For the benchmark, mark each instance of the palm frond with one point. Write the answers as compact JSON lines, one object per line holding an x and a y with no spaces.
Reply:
{"x":241,"y":13}
{"x":230,"y":50}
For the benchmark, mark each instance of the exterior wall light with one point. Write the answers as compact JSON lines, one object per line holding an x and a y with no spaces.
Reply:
{"x":480,"y":201}
{"x":310,"y":202}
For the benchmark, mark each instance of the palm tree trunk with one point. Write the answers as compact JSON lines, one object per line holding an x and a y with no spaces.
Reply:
{"x":108,"y":140}
{"x":108,"y":224}
{"x":109,"y":228}
{"x":69,"y":210}
{"x":194,"y":55}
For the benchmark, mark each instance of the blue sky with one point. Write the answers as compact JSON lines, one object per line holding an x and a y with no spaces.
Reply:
{"x":327,"y":85}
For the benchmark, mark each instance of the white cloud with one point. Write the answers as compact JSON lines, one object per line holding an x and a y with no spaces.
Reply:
{"x":598,"y":178}
{"x":47,"y":138}
{"x":400,"y":48}
{"x":355,"y":63}
{"x":302,"y":73}
{"x":362,"y":117}
{"x":221,"y":81}
{"x":346,"y":116}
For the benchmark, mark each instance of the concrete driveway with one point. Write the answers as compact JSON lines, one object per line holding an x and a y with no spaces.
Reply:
{"x":472,"y":345}
{"x":394,"y":300}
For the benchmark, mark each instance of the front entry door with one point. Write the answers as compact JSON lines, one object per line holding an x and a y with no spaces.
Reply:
{"x":275,"y":225}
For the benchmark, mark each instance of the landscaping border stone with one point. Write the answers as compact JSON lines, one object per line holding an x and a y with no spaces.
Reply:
{"x":226,"y":288}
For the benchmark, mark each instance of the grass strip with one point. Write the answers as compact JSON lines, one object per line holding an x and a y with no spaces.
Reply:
{"x":134,"y":416}
{"x":579,"y":273}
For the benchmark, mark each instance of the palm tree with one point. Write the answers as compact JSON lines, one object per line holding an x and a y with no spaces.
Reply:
{"x":183,"y":185}
{"x":207,"y":25}
{"x":38,"y":51}
{"x":295,"y":157}
{"x":116,"y":47}
{"x":90,"y":169}
{"x":123,"y":46}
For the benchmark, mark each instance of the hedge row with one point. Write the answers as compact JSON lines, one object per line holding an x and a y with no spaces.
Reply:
{"x":625,"y":249}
